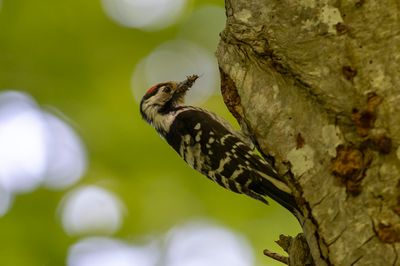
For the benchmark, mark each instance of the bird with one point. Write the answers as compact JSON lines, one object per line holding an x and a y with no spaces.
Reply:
{"x":210,"y":145}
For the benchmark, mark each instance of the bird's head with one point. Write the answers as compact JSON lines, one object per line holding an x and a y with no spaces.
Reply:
{"x":164,"y":97}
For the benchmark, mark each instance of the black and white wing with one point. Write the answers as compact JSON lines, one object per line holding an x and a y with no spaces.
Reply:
{"x":217,"y":152}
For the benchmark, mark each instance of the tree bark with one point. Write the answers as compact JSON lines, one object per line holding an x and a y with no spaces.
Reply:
{"x":317,"y":86}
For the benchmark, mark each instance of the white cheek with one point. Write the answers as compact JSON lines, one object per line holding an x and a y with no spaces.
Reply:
{"x":159,"y":121}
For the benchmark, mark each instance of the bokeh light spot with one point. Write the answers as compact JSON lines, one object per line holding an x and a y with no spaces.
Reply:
{"x":192,"y":244}
{"x":91,"y":210}
{"x":144,"y":14}
{"x":66,"y":155}
{"x":174,"y":61}
{"x":199,"y":244}
{"x":36,"y":147}
{"x":22,"y":142}
{"x":97,"y":251}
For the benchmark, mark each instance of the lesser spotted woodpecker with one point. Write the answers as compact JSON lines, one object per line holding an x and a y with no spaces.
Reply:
{"x":211,"y":146}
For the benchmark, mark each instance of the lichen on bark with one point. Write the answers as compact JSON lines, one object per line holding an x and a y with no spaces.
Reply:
{"x":310,"y":69}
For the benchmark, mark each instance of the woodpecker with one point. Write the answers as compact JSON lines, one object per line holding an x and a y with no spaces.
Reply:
{"x":210,"y":145}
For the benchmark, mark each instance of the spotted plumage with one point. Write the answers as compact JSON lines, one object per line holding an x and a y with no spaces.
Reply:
{"x":211,"y":146}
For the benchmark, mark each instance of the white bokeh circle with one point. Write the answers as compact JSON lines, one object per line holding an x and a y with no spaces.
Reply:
{"x":65,"y":153}
{"x":144,"y":14}
{"x":173,"y":61}
{"x":101,"y":251}
{"x":37,"y":147}
{"x":91,"y":210}
{"x":198,"y":244}
{"x":22,"y":141}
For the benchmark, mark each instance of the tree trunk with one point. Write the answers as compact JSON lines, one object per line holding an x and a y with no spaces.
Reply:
{"x":317,"y":85}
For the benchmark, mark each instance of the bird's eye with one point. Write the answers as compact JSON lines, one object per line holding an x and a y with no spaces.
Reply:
{"x":167,"y":89}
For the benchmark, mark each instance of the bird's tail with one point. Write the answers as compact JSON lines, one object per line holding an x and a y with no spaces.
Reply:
{"x":281,"y":194}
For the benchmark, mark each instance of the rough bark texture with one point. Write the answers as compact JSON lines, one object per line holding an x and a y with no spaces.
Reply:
{"x":317,"y":84}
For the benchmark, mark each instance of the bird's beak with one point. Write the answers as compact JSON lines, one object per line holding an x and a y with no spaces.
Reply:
{"x":185,"y":85}
{"x":181,"y":88}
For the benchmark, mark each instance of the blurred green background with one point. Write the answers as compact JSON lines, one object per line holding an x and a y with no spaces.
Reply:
{"x":83,"y":65}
